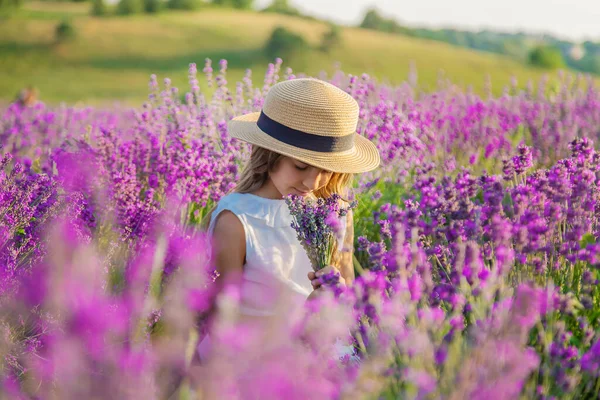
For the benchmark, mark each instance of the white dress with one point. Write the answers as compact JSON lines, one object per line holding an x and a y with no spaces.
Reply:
{"x":272,"y":250}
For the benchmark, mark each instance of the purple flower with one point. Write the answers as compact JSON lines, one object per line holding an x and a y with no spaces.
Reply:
{"x":318,"y":226}
{"x":590,"y":362}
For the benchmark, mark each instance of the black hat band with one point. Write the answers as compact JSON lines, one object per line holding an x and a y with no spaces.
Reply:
{"x":303,"y":140}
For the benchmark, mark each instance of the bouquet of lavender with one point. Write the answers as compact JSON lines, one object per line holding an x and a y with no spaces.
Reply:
{"x":318,"y":226}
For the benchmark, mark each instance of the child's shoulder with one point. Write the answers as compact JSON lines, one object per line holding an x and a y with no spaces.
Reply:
{"x":230,"y":197}
{"x":250,"y":204}
{"x":232,"y":201}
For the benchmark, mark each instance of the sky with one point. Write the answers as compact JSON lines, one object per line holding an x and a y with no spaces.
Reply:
{"x":575,"y":20}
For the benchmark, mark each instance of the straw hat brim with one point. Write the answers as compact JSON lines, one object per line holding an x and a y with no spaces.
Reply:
{"x":363,"y":157}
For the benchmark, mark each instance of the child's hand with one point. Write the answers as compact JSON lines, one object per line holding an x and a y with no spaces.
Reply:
{"x":328,"y":275}
{"x":314,"y":294}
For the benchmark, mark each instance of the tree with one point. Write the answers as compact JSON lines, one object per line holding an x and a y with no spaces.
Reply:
{"x":591,"y":47}
{"x":64,"y":31}
{"x":588,"y":63}
{"x":594,"y":63}
{"x":241,"y":4}
{"x":331,"y":38}
{"x":284,"y":44}
{"x":183,"y":4}
{"x":153,"y":6}
{"x":127,"y":7}
{"x":372,"y":20}
{"x":282,"y":7}
{"x":279,"y":6}
{"x":98,"y":7}
{"x":546,"y":57}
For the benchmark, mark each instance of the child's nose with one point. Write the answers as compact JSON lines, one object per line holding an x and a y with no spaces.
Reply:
{"x":312,"y":180}
{"x":310,"y":184}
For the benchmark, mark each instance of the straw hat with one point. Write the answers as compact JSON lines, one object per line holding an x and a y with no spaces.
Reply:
{"x":312,"y":121}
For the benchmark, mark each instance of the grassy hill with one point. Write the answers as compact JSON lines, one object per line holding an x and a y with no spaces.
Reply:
{"x":111,"y":58}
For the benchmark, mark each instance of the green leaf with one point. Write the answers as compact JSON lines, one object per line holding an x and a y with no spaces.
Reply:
{"x":587,"y":240}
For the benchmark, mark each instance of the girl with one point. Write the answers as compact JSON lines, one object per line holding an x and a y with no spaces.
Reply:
{"x":304,"y":143}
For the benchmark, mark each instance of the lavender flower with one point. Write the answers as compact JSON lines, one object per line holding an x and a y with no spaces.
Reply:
{"x":444,"y":246}
{"x":317,"y":225}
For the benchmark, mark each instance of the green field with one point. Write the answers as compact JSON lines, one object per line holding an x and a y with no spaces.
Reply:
{"x":111,"y":58}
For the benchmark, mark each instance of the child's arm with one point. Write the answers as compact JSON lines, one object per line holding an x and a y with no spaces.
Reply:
{"x":346,"y":264}
{"x":229,"y":244}
{"x":229,"y":249}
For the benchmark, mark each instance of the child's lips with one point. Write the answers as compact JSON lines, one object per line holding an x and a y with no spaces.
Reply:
{"x":300,"y":193}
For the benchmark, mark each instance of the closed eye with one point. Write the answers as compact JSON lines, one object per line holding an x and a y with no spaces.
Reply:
{"x":301,"y":168}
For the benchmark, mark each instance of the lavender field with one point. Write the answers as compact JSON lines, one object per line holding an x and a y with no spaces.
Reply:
{"x":476,"y":249}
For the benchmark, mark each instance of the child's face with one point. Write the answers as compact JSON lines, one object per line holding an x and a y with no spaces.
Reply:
{"x":291,"y":176}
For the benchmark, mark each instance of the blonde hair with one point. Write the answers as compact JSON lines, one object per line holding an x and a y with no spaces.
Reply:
{"x":256,"y":174}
